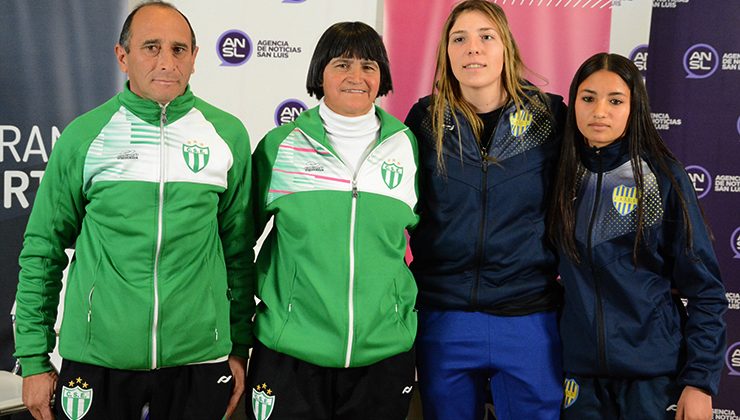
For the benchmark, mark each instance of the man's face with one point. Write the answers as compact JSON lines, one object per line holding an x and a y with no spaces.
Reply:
{"x":160,"y":59}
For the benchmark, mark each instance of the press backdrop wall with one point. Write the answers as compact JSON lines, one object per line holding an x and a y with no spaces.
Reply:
{"x":56,"y":61}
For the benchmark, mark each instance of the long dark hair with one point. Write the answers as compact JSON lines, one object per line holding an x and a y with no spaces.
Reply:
{"x":643,"y":142}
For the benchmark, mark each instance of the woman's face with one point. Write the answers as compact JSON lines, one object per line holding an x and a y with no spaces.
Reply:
{"x":602,"y":108}
{"x":351,"y":85}
{"x":476,"y":54}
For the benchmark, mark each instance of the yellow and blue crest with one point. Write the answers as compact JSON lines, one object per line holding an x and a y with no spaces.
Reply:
{"x":520,"y":122}
{"x":570,"y":389}
{"x":624,"y":199}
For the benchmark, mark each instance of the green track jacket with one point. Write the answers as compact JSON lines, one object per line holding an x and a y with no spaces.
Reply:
{"x":334,"y":288}
{"x":155,"y":201}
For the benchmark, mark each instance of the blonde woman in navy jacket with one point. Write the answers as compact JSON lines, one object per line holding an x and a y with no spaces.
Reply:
{"x":633,"y":242}
{"x":488,"y":144}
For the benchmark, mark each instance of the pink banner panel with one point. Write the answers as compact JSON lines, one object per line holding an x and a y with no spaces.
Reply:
{"x":555,"y":36}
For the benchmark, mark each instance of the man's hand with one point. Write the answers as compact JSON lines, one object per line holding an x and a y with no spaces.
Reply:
{"x":37,"y":392}
{"x":238,"y":366}
{"x":694,"y":404}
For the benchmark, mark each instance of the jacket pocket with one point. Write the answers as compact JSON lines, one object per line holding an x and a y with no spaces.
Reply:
{"x":405,"y":312}
{"x":287,"y":306}
{"x":667,"y":316}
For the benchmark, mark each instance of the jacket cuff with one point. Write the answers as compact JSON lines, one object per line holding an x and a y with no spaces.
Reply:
{"x":697,"y":380}
{"x":240,"y":350}
{"x":33,"y":365}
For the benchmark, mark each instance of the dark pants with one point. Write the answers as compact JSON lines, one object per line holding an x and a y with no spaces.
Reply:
{"x":199,"y":392}
{"x":283,"y":387}
{"x":613,"y":399}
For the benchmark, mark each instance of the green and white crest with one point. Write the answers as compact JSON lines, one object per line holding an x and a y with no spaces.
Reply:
{"x":76,"y":402}
{"x":392,"y":173}
{"x":196,"y":157}
{"x":262,"y":402}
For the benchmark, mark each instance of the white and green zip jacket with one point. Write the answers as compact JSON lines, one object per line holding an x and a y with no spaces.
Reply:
{"x":155,"y":201}
{"x":335,"y":290}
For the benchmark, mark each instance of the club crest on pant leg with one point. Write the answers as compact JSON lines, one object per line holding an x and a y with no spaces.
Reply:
{"x":263,"y":401}
{"x":571,"y":388}
{"x":77,"y":398}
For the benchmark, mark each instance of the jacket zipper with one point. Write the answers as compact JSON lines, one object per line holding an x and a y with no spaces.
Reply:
{"x":160,"y":211}
{"x":482,"y":226}
{"x":601,"y":334}
{"x":351,"y":328}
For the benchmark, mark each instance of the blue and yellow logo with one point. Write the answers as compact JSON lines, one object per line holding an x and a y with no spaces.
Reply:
{"x":624,"y":199}
{"x":520,"y":122}
{"x":570,"y":389}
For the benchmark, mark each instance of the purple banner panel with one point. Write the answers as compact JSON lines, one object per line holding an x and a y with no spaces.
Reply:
{"x":693,"y":79}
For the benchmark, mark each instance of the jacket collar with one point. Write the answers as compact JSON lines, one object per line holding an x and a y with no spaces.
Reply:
{"x":310,"y":123}
{"x":151,"y":112}
{"x":604,"y":159}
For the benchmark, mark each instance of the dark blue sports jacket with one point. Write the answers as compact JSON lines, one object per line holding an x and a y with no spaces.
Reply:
{"x":622,"y":320}
{"x":480,"y":243}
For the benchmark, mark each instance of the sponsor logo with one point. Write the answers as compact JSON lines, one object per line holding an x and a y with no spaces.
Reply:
{"x":263,"y":402}
{"x":520,"y":122}
{"x":312,"y":166}
{"x":639,"y":56}
{"x":128,"y":155}
{"x":735,"y":243}
{"x":77,"y":398}
{"x":234,"y":48}
{"x":224,"y":380}
{"x":727,"y":183}
{"x":724,"y":414}
{"x":672,"y":407}
{"x":407,"y":390}
{"x":288,"y":111}
{"x":624,"y":199}
{"x":733,"y":300}
{"x":700,"y":61}
{"x":732,"y":359}
{"x":664,"y":121}
{"x":392,"y":173}
{"x":276,"y":48}
{"x":731,"y":61}
{"x":570,"y":390}
{"x":196,"y":156}
{"x":701,"y":178}
{"x":668,"y":4}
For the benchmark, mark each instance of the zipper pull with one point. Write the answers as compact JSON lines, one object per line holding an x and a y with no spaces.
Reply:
{"x":354,"y":188}
{"x":163,"y":114}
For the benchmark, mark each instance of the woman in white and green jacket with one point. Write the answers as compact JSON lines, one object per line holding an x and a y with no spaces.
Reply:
{"x":336,"y":323}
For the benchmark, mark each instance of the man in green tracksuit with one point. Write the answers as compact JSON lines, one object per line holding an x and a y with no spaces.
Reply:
{"x":152,"y":189}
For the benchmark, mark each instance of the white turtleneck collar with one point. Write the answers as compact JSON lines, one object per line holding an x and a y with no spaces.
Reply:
{"x":351,"y":137}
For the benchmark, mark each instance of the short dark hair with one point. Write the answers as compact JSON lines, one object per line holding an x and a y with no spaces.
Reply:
{"x":125,"y":36}
{"x":350,"y":40}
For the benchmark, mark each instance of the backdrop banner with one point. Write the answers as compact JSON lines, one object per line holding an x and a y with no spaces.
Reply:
{"x":57,"y":62}
{"x":693,"y":79}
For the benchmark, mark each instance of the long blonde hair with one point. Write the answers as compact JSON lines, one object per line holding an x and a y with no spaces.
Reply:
{"x":446,"y":91}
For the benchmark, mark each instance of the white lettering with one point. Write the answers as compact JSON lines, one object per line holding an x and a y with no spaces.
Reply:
{"x":9,"y":144}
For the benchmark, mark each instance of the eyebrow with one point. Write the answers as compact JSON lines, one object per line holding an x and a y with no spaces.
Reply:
{"x":485,"y":29}
{"x":593,"y":92}
{"x":159,"y":42}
